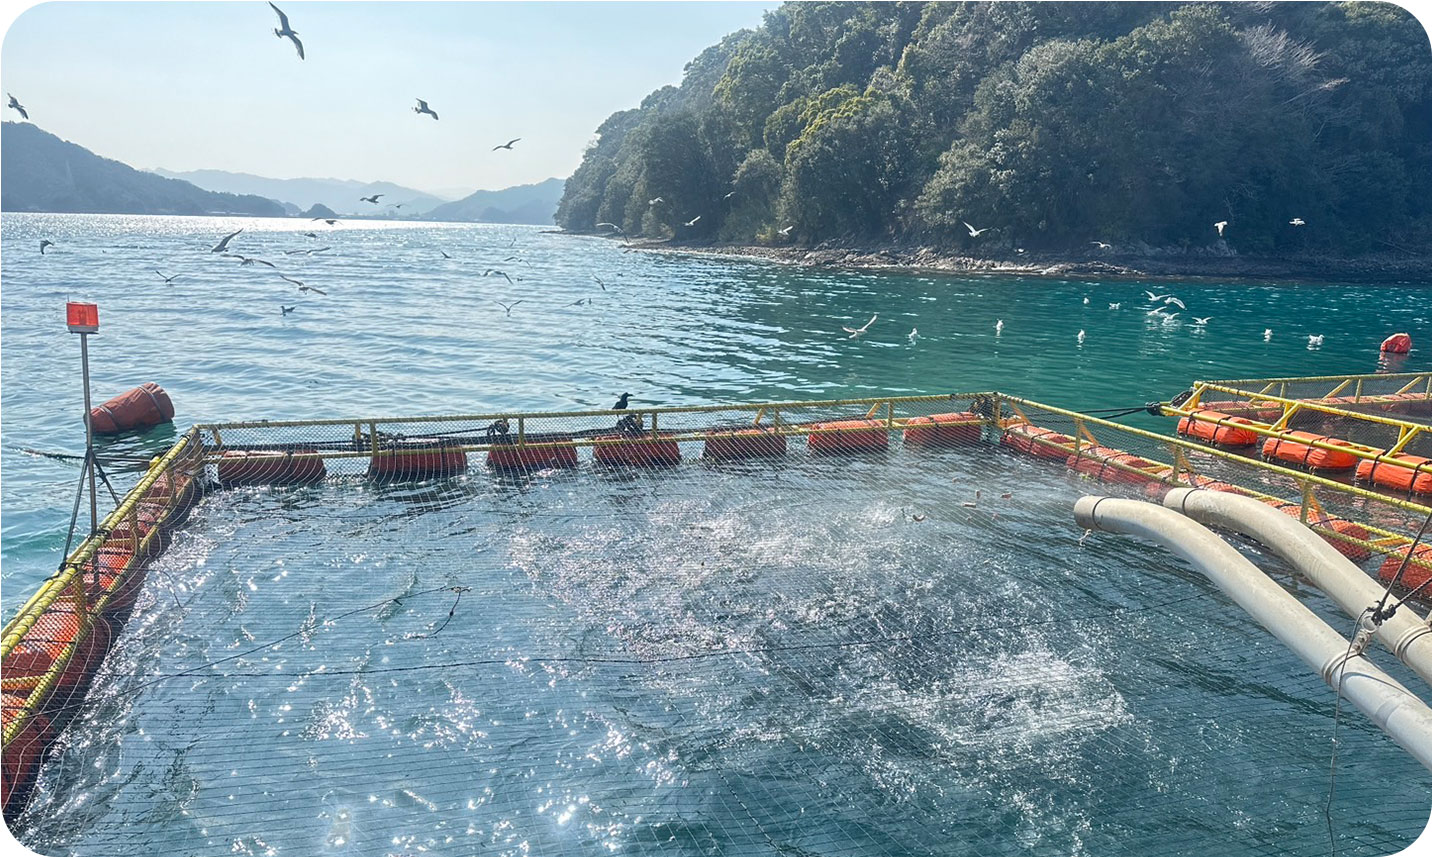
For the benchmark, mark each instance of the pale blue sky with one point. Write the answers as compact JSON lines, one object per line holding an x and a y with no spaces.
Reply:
{"x":207,"y":84}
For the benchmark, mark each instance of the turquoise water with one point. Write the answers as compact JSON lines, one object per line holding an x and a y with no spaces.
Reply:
{"x":1083,"y":743}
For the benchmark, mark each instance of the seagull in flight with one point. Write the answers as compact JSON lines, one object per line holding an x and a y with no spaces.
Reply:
{"x":424,"y":108}
{"x":507,"y":145}
{"x":693,"y":221}
{"x":1297,"y":221}
{"x":285,"y":310}
{"x":45,"y":242}
{"x":857,"y":331}
{"x":1114,"y":306}
{"x":1171,"y":299}
{"x":224,"y":243}
{"x":373,"y":199}
{"x":1154,"y":297}
{"x":599,"y":282}
{"x":168,"y":281}
{"x":1100,"y":244}
{"x":578,"y":302}
{"x":1202,"y":321}
{"x":327,"y":220}
{"x":445,"y":255}
{"x":507,"y":307}
{"x":1220,"y":226}
{"x":975,"y":233}
{"x":614,"y":227}
{"x":302,"y":287}
{"x":310,"y":235}
{"x":786,"y":233}
{"x":494,"y":271}
{"x":1316,"y":341}
{"x":730,"y":195}
{"x":1157,"y":311}
{"x":18,"y":106}
{"x":285,"y":31}
{"x":248,"y":260}
{"x":655,"y":201}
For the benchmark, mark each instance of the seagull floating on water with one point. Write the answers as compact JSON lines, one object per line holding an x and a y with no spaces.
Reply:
{"x":975,"y":233}
{"x":285,"y":310}
{"x":1268,"y":334}
{"x":857,"y":331}
{"x":913,"y":335}
{"x":168,"y":281}
{"x":1316,"y":341}
{"x":373,"y":199}
{"x":224,"y":242}
{"x":1080,"y":337}
{"x":285,"y":31}
{"x":424,"y":108}
{"x":1202,"y":321}
{"x":1114,"y":306}
{"x":1087,"y":301}
{"x":18,"y":106}
{"x":1297,"y":221}
{"x":507,"y":145}
{"x":1220,"y":226}
{"x":45,"y":242}
{"x":999,"y":326}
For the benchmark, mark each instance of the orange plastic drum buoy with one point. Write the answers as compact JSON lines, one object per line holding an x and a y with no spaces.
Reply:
{"x":1037,"y":441}
{"x":1415,"y":573}
{"x":1218,"y":428}
{"x":642,"y":451}
{"x":742,"y":444}
{"x":1339,"y":526}
{"x":1294,"y":447}
{"x":526,"y":457}
{"x":397,"y":464}
{"x":143,"y":407}
{"x":943,"y":430}
{"x":116,"y":572}
{"x":54,"y":631}
{"x":1115,"y":465}
{"x":847,"y":436}
{"x":20,"y":761}
{"x":270,"y":467}
{"x":1398,"y":343}
{"x":1412,"y":475}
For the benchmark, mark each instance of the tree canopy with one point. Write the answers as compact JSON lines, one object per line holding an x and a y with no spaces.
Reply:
{"x":1048,"y":124}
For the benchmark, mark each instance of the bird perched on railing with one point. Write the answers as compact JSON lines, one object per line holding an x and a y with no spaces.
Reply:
{"x":621,"y":402}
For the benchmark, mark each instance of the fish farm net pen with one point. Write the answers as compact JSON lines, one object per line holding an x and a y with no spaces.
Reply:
{"x":862,"y":627}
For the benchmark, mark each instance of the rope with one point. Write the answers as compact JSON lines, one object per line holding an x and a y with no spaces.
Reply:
{"x":1379,"y":614}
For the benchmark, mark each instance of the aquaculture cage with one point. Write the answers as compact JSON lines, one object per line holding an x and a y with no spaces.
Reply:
{"x":864,"y":626}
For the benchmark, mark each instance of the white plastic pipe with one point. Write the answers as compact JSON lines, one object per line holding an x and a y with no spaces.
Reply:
{"x":1348,"y":585}
{"x":1405,"y":717}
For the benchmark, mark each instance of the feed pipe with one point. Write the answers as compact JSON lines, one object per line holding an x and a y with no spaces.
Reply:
{"x":1314,"y":558}
{"x":1395,"y":710}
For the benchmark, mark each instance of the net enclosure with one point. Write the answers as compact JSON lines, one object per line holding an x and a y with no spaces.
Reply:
{"x":861,"y":627}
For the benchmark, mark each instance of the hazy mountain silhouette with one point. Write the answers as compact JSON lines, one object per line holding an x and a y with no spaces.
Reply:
{"x":529,"y":203}
{"x":44,"y":173}
{"x":341,"y":195}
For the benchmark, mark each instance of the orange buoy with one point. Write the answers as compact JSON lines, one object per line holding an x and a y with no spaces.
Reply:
{"x":1411,"y":475}
{"x":742,"y":444}
{"x":1218,"y":428}
{"x":270,"y":467}
{"x":397,"y":464}
{"x":1398,"y":343}
{"x":1405,"y":403}
{"x":631,"y":451}
{"x":54,"y":631}
{"x":1416,"y":572}
{"x":1338,"y":526}
{"x":943,"y":430}
{"x":133,"y":530}
{"x":846,"y":436}
{"x":116,"y":572}
{"x":1036,"y":441}
{"x":20,"y":761}
{"x":1294,"y":447}
{"x":1115,"y":465}
{"x":143,"y":407}
{"x":1262,"y":411}
{"x":517,"y":458}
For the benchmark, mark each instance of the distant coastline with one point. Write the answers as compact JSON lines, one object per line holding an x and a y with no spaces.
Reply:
{"x":1379,"y":269}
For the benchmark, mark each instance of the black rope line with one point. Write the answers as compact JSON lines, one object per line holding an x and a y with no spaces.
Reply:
{"x":456,"y":601}
{"x":1337,"y":710}
{"x":1379,"y":614}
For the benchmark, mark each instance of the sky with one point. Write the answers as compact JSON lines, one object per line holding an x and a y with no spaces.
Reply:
{"x":207,"y":85}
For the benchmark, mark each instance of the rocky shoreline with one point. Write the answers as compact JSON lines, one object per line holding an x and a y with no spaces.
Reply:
{"x":1147,"y":264}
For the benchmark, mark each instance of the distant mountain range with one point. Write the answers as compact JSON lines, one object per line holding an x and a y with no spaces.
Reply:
{"x":44,"y":173}
{"x":341,"y":195}
{"x":528,"y":203}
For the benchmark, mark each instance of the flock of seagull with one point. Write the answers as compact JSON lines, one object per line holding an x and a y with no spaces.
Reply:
{"x":1105,"y":245}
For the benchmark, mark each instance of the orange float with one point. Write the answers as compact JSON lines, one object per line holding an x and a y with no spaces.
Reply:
{"x":1218,"y":428}
{"x":1339,"y":526}
{"x":1115,"y":465}
{"x":943,"y":430}
{"x":270,"y":467}
{"x":743,"y":444}
{"x":1416,"y":572}
{"x":398,"y":464}
{"x":1263,"y":411}
{"x":1036,"y":441}
{"x":143,"y":407}
{"x":116,"y":572}
{"x":637,"y":452}
{"x":1406,"y":403}
{"x":519,"y":458}
{"x":846,"y":436}
{"x":1412,"y":473}
{"x":54,"y":631}
{"x":1398,"y":343}
{"x":20,"y":761}
{"x":1294,"y":447}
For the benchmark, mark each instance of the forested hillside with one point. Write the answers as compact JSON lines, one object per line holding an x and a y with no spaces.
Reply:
{"x":1051,"y":125}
